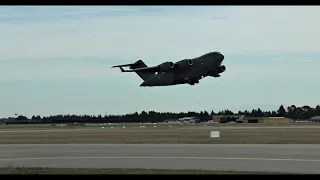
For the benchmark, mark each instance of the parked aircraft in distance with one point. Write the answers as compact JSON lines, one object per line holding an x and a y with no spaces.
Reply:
{"x":187,"y":71}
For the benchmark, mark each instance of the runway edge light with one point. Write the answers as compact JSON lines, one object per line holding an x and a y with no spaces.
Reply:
{"x":214,"y":134}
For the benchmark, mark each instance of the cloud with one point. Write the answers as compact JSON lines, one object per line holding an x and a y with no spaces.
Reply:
{"x":32,"y":14}
{"x":159,"y":33}
{"x":307,"y":60}
{"x":54,"y":70}
{"x":279,"y":59}
{"x":268,"y":50}
{"x":83,"y":42}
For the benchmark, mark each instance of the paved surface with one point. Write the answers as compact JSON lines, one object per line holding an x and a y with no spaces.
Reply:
{"x":150,"y":128}
{"x":266,"y":158}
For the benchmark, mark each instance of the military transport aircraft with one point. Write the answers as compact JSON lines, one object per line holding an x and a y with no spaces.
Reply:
{"x":187,"y":71}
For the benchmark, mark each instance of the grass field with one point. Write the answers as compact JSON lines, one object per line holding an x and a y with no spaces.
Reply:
{"x":160,"y":133}
{"x":36,"y":170}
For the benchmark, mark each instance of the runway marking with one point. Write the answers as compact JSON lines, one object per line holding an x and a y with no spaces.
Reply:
{"x":197,"y":158}
{"x":245,"y":146}
{"x":275,"y":146}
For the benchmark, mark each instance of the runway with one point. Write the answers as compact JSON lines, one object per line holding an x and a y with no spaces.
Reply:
{"x":242,"y":157}
{"x":151,"y":127}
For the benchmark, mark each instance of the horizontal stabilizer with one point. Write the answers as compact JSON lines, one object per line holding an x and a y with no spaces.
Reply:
{"x":123,"y":65}
{"x":140,"y":68}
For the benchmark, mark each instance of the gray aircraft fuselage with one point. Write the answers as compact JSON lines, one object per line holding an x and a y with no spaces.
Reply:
{"x":187,"y":71}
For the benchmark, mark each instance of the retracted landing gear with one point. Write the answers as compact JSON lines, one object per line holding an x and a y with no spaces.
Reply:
{"x":193,"y":82}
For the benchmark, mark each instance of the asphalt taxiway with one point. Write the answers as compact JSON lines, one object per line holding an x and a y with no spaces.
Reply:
{"x":242,"y":157}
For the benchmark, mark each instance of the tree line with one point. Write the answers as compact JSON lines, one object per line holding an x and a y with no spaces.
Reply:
{"x":293,"y":112}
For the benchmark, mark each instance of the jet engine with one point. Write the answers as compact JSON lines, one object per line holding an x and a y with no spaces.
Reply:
{"x":222,"y":68}
{"x":166,"y":66}
{"x":185,"y":63}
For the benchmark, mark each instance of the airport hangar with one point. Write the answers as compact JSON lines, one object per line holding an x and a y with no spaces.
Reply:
{"x":244,"y":119}
{"x":315,"y":119}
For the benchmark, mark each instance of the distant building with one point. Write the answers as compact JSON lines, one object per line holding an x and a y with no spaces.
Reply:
{"x":253,"y":119}
{"x":315,"y":119}
{"x":275,"y":120}
{"x":227,"y":118}
{"x":172,"y":121}
{"x":191,"y":120}
{"x":244,"y":119}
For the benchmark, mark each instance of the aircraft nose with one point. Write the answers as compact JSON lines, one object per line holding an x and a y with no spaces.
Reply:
{"x":222,"y":57}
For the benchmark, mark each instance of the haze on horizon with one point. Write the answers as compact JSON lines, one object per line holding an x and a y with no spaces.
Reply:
{"x":57,"y":60}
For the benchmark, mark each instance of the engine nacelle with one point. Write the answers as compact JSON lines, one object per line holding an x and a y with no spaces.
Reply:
{"x":185,"y":63}
{"x":166,"y":66}
{"x":222,"y":68}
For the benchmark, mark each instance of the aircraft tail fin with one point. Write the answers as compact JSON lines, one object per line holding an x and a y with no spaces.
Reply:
{"x":141,"y":64}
